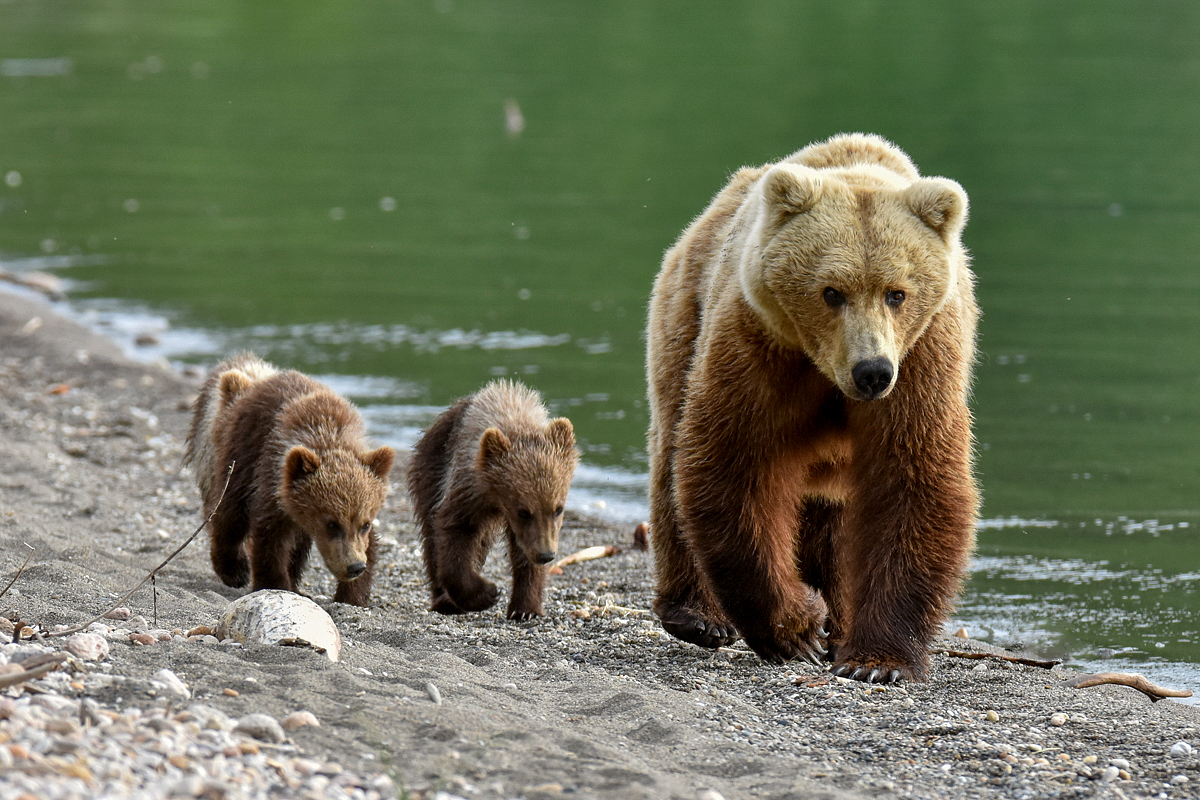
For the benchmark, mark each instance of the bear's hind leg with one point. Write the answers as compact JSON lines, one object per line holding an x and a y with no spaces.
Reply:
{"x":529,"y":583}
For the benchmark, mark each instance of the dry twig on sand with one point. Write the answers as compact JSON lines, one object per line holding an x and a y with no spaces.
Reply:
{"x":24,"y":564}
{"x":1130,"y":679}
{"x":1029,"y":662}
{"x":586,"y":554}
{"x":154,"y":572}
{"x":37,"y":667}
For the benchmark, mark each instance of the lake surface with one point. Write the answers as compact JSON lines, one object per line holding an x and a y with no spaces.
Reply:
{"x":407,"y":199}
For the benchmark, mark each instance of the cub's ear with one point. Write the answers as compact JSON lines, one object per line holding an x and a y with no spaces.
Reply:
{"x":791,"y":188}
{"x":940,"y":203}
{"x":492,"y":446}
{"x":380,"y":461}
{"x":300,"y":462}
{"x":230,"y":386}
{"x":561,"y":434}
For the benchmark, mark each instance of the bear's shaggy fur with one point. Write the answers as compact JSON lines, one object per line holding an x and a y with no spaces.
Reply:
{"x":811,"y":337}
{"x":491,"y":460}
{"x":303,"y":474}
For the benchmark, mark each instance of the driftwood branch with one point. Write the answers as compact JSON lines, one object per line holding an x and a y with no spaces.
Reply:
{"x":1029,"y":662}
{"x":24,"y":564}
{"x":1130,"y":679}
{"x":154,"y":572}
{"x":39,"y":667}
{"x":586,"y":554}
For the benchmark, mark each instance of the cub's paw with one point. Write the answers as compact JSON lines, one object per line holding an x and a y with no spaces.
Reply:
{"x":874,"y":670}
{"x":691,"y":626}
{"x":475,"y":595}
{"x":442,"y":604}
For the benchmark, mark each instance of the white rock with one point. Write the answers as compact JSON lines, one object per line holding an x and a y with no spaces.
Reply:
{"x":1119,"y":763}
{"x":1179,"y":780}
{"x":710,"y":794}
{"x":171,"y":682}
{"x":434,"y":693}
{"x":273,"y":616}
{"x":1058,"y":720}
{"x":299,"y":719}
{"x":263,"y":727}
{"x":87,"y":646}
{"x":1110,"y":774}
{"x":1180,"y":749}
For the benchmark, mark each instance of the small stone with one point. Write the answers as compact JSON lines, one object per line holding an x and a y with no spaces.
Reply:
{"x":299,"y":719}
{"x":181,"y":761}
{"x":962,"y":633}
{"x":556,"y":788}
{"x":120,"y":612}
{"x":7,"y":706}
{"x":247,"y":748}
{"x":434,"y":693}
{"x":1058,"y":720}
{"x":230,"y":692}
{"x":1090,"y":759}
{"x":1063,"y":757}
{"x":142,"y":638}
{"x":170,"y":681}
{"x":201,"y":630}
{"x":1123,"y":775}
{"x":1179,"y":780}
{"x":1110,"y":774}
{"x":1119,"y":763}
{"x":992,"y":716}
{"x":87,"y":646}
{"x":263,"y":727}
{"x":137,"y":623}
{"x":66,"y":727}
{"x":6,"y":758}
{"x":1180,"y":749}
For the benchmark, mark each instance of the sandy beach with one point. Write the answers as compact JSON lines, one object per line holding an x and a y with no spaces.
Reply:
{"x":591,"y":701}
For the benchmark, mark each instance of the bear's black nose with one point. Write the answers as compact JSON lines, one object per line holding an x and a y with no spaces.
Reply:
{"x":545,"y":557}
{"x":355,"y":569}
{"x":872,"y":376}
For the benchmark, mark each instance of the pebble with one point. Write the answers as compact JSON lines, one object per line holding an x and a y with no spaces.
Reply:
{"x":1180,"y":749}
{"x":434,"y":693}
{"x":87,"y":646}
{"x":120,"y":612}
{"x":1110,"y":774}
{"x":1119,"y":763}
{"x":171,"y":682}
{"x":992,"y":716}
{"x":1179,"y":780}
{"x":142,"y":638}
{"x":263,"y":727}
{"x":710,"y":794}
{"x":299,"y":719}
{"x":1058,"y":720}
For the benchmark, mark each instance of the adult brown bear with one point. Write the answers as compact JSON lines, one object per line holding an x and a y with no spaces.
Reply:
{"x":811,"y":338}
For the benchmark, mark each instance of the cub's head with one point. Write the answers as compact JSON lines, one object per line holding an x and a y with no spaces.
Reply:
{"x":528,"y":476}
{"x":850,"y":265}
{"x":335,"y":497}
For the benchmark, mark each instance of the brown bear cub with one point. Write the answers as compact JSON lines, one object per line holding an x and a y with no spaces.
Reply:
{"x":811,"y":338}
{"x":492,"y":460}
{"x":303,"y":474}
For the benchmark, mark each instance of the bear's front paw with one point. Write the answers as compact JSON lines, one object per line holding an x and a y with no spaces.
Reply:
{"x":874,"y":670}
{"x":523,"y":614}
{"x":475,"y":594}
{"x":807,"y":645}
{"x":699,"y":629}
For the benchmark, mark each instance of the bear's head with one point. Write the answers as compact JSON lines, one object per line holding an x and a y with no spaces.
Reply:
{"x":851,"y":264}
{"x":528,"y":476}
{"x":335,"y":497}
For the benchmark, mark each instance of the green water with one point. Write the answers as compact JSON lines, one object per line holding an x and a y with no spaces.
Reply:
{"x":410,"y":198}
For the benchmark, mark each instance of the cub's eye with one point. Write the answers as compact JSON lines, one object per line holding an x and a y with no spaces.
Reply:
{"x":332,"y":528}
{"x":834,"y":298}
{"x":894,"y":298}
{"x":558,"y":511}
{"x":524,"y":514}
{"x":364,"y":528}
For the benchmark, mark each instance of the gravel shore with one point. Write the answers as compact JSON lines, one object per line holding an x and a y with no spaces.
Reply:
{"x":591,"y":701}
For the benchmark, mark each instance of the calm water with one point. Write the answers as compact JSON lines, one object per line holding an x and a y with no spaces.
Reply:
{"x":410,"y":198}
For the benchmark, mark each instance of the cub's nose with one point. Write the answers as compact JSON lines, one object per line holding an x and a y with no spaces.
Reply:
{"x":545,"y":557}
{"x":872,"y":377}
{"x":355,"y":569}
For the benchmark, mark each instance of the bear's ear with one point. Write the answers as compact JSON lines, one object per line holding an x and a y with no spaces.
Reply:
{"x":791,"y":188}
{"x":300,"y":462}
{"x":492,"y":446}
{"x":230,"y":385}
{"x":940,"y":203}
{"x":561,"y":434}
{"x":380,"y":461}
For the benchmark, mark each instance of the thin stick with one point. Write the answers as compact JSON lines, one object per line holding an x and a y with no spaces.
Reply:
{"x":30,"y":674}
{"x":154,"y":571}
{"x":1029,"y":662}
{"x":1130,"y":679}
{"x":4,"y":591}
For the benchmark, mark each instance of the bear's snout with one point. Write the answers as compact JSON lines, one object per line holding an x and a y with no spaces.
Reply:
{"x":544,"y":556}
{"x":872,"y":377}
{"x":354,"y":569}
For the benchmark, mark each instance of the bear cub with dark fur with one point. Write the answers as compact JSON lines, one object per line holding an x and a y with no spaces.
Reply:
{"x":492,"y":461}
{"x":303,"y":474}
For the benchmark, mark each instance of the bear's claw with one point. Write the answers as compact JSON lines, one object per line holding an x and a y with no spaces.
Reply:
{"x":689,"y":626}
{"x":866,"y":674}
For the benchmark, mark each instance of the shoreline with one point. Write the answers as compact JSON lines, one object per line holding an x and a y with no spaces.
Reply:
{"x":592,"y":700}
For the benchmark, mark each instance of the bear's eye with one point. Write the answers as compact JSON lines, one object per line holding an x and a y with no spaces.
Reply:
{"x":894,"y":298}
{"x":558,"y":511}
{"x":834,"y":298}
{"x":364,"y":528}
{"x":333,"y":528}
{"x":524,"y":514}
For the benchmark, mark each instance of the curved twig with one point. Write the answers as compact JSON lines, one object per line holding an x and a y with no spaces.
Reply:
{"x":37,"y":671}
{"x":153,"y":572}
{"x":1130,"y":679}
{"x":25,"y":563}
{"x":1029,"y":662}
